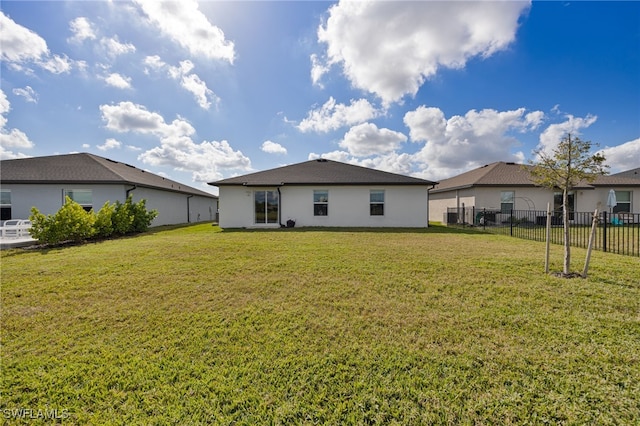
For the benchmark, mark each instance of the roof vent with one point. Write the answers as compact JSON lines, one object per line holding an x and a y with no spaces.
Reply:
{"x":510,"y":163}
{"x":321,"y":160}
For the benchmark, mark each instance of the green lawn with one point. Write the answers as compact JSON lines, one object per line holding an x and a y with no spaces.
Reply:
{"x":197,"y":326}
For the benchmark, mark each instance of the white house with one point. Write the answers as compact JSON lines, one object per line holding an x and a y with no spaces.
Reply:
{"x":323,"y":193}
{"x":90,"y":180}
{"x":501,"y":187}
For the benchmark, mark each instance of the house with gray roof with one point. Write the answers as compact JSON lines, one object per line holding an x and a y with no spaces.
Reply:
{"x":91,"y":180}
{"x":323,"y":193}
{"x":501,"y":187}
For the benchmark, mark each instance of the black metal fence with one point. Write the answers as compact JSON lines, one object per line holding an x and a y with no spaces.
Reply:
{"x":616,"y":233}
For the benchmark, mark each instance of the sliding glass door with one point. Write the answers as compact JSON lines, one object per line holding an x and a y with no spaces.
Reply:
{"x":265,"y":206}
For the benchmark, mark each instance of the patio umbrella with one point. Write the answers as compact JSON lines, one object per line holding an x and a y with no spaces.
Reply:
{"x":611,"y":200}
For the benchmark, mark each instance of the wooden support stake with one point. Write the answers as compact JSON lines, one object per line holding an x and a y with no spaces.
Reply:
{"x":548,"y":239}
{"x":590,"y":246}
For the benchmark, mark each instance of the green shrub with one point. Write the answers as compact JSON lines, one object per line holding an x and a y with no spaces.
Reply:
{"x":104,"y":221}
{"x":141,"y":217}
{"x":42,"y":227}
{"x":73,"y":223}
{"x":70,"y":223}
{"x":122,"y":218}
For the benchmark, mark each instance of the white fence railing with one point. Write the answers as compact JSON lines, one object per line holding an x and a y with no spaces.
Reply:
{"x":15,"y":228}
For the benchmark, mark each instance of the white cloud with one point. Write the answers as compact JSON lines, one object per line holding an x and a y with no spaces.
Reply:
{"x":198,"y":89}
{"x":318,"y":69}
{"x":367,"y":139}
{"x":460,"y":143}
{"x":119,"y":81}
{"x":390,"y":48}
{"x":273,"y":148}
{"x":10,"y":138}
{"x":154,"y":62}
{"x":21,"y":46}
{"x":113,"y":47}
{"x":129,"y":117}
{"x":109,"y":144}
{"x":27,"y":93}
{"x":81,"y":29}
{"x":391,"y":162}
{"x":204,"y":160}
{"x":623,"y":157}
{"x":553,"y":134}
{"x":332,"y":116}
{"x":186,"y":25}
{"x":189,"y":81}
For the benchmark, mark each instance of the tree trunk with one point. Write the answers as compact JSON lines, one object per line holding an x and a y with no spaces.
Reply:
{"x":565,"y":225}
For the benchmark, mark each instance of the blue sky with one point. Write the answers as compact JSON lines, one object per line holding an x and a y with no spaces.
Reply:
{"x":200,"y":91}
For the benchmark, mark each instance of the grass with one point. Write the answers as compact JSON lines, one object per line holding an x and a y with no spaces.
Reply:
{"x":309,"y":326}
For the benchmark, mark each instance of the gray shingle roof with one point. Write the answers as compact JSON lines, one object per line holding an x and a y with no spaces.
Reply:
{"x":512,"y":174}
{"x":321,"y":171}
{"x":633,"y":173}
{"x":86,"y":168}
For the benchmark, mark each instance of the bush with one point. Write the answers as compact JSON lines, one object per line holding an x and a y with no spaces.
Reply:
{"x":141,"y":217}
{"x":70,"y":223}
{"x":104,"y":221}
{"x":122,"y":217}
{"x":130,"y":217}
{"x":73,"y":223}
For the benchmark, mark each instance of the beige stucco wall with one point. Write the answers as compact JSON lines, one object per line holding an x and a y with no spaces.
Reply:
{"x":405,"y":206}
{"x":526,"y":198}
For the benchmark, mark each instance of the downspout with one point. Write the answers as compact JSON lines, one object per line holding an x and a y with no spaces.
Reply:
{"x":188,"y":210}
{"x":429,"y":189}
{"x":280,"y":206}
{"x":129,"y":191}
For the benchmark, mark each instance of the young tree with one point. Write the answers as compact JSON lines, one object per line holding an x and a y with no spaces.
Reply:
{"x":570,"y":163}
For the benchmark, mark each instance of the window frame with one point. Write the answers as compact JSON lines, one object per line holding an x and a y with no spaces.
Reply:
{"x":5,"y":208}
{"x":70,"y":193}
{"x":376,"y":207}
{"x":627,"y":203}
{"x":557,"y":203}
{"x":507,"y":204}
{"x":270,"y":199}
{"x":321,"y":202}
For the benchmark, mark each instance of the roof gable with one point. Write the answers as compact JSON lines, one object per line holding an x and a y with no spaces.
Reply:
{"x":633,"y":173}
{"x":501,"y":174}
{"x":321,"y":171}
{"x":494,"y":174}
{"x":85,"y":168}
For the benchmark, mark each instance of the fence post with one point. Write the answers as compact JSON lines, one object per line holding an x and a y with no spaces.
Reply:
{"x":484,"y":218}
{"x":604,"y":231}
{"x":511,"y":223}
{"x":464,"y":219}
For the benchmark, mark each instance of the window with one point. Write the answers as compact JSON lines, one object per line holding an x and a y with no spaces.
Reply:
{"x":623,"y":198}
{"x":320,"y":203}
{"x":376,"y":202}
{"x":557,"y":204}
{"x":507,"y":201}
{"x":84,"y":197}
{"x":266,"y":206}
{"x":5,"y":204}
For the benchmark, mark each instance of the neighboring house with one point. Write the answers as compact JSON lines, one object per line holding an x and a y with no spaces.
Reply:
{"x":90,"y":180}
{"x":323,"y":193}
{"x":501,"y":187}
